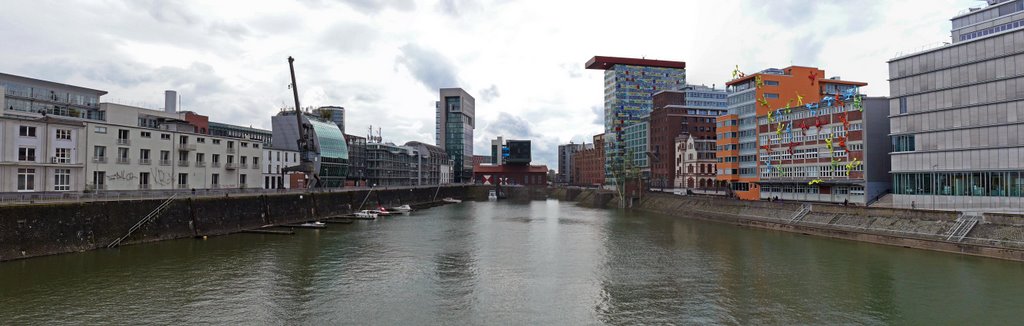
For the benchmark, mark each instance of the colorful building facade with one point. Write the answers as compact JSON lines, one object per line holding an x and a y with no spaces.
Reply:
{"x":629,"y":85}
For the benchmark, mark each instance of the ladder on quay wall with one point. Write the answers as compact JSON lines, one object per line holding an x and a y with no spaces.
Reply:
{"x":800,"y":214}
{"x":964,"y":224}
{"x":156,"y":212}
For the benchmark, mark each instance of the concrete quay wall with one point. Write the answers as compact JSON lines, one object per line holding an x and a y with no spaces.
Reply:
{"x":46,"y":229}
{"x":997,"y":236}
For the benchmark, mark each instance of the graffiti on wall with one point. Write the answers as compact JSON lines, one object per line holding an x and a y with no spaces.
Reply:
{"x":156,"y":177}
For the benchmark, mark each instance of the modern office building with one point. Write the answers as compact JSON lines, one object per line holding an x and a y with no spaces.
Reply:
{"x":331,"y":152}
{"x":497,"y":147}
{"x":692,"y":111}
{"x":262,"y":136}
{"x":433,"y":166}
{"x":629,"y":85}
{"x":957,"y":116}
{"x":752,"y":97}
{"x":335,"y":114}
{"x":566,"y":153}
{"x":356,"y":160}
{"x":36,"y":97}
{"x":635,"y":148}
{"x":456,"y":118}
{"x":588,"y":164}
{"x":388,"y":164}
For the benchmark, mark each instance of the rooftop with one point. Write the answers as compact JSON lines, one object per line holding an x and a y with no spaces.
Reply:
{"x":51,"y":84}
{"x":605,"y":63}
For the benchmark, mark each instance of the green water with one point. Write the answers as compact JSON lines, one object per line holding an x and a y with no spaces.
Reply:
{"x":542,"y":263}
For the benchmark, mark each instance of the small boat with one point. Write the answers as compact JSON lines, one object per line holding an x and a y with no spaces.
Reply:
{"x":365,"y":214}
{"x":451,"y":200}
{"x":402,"y":209}
{"x":492,"y":195}
{"x":316,"y":224}
{"x":381,"y":211}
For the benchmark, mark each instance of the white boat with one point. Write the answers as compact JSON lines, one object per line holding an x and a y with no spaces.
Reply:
{"x":492,"y":195}
{"x":365,"y":214}
{"x":402,"y":209}
{"x":381,"y":211}
{"x":451,"y":200}
{"x":316,"y":224}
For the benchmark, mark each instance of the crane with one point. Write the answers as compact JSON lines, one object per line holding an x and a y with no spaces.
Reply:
{"x":305,"y":140}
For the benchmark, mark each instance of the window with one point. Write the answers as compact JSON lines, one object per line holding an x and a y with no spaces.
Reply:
{"x":216,"y":158}
{"x":63,"y":134}
{"x":771,"y":83}
{"x":27,"y":131}
{"x":165,"y":136}
{"x":62,"y":155}
{"x":62,"y":179}
{"x":245,"y":145}
{"x":244,"y":159}
{"x":903,"y":105}
{"x":143,"y":180}
{"x":255,"y":145}
{"x":215,"y":180}
{"x":146,"y":134}
{"x":183,"y":140}
{"x":216,"y":141}
{"x":182,"y":180}
{"x":144,"y":156}
{"x":279,"y":156}
{"x":26,"y":154}
{"x":255,"y":162}
{"x":165,"y":157}
{"x":122,"y":134}
{"x":99,"y":179}
{"x":241,"y":180}
{"x":26,"y":179}
{"x":903,"y":143}
{"x":100,"y":130}
{"x":201,"y":140}
{"x":200,"y":157}
{"x":99,"y":152}
{"x":771,"y":95}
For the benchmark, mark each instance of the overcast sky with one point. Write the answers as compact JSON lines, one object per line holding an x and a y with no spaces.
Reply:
{"x":383,"y":60}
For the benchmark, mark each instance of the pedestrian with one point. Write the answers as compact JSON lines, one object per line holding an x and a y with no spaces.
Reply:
{"x":912,"y":205}
{"x":846,"y":202}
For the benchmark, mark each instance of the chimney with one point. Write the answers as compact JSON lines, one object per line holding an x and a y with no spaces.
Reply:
{"x":170,"y":101}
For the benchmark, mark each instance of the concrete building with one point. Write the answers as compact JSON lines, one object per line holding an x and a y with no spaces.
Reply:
{"x":456,"y":118}
{"x":496,"y":151}
{"x":588,"y":164}
{"x":957,"y":116}
{"x":751,"y":98}
{"x":335,"y":114}
{"x":629,"y":85}
{"x":261,"y":136}
{"x":142,"y":149}
{"x":356,"y":161}
{"x":692,"y":111}
{"x":566,"y":153}
{"x":41,"y":154}
{"x":331,"y":152}
{"x":275,"y":159}
{"x":433,"y":166}
{"x":35,"y":97}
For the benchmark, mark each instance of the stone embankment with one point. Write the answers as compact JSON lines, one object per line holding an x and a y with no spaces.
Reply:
{"x":994,"y":235}
{"x":33,"y":230}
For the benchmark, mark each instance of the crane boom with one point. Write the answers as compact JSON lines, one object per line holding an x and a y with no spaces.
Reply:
{"x":304,"y":141}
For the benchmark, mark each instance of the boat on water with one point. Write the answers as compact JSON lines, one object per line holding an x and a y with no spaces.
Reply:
{"x":402,"y":209}
{"x":492,"y":195}
{"x":316,"y":224}
{"x":381,"y":211}
{"x":451,"y":200}
{"x":365,"y":213}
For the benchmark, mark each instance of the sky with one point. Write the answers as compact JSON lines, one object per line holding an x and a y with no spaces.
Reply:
{"x":384,"y":60}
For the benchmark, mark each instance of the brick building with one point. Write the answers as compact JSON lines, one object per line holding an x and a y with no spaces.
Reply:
{"x":588,"y":164}
{"x":690,"y":110}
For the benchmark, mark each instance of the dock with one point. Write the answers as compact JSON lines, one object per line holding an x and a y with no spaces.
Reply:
{"x":339,"y":221}
{"x":307,"y":226}
{"x":266,"y":231}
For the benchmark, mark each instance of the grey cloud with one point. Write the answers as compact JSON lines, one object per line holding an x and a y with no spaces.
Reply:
{"x":598,"y":113}
{"x":232,"y":30}
{"x":171,"y":12}
{"x":369,"y":6}
{"x":429,"y":67}
{"x":514,"y":127}
{"x":807,"y":50}
{"x":348,"y":37}
{"x":490,"y":93}
{"x":457,"y":8}
{"x":573,"y":70}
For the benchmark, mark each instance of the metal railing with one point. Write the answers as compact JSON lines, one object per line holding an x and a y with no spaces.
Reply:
{"x":99,"y":159}
{"x":215,"y":165}
{"x":231,"y":166}
{"x":144,"y":161}
{"x":122,"y":141}
{"x":165,"y":162}
{"x":123,"y":160}
{"x":200,"y":164}
{"x":183,"y":163}
{"x":231,"y":150}
{"x":187,"y":147}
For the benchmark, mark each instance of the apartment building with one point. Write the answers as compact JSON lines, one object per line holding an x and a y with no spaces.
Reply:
{"x":41,"y":154}
{"x":690,"y":111}
{"x":588,"y":164}
{"x":273,"y":161}
{"x":142,"y":149}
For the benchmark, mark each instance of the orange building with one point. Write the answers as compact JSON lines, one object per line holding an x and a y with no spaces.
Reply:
{"x":751,"y":98}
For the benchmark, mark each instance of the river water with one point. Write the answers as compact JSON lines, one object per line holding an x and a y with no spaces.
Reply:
{"x":486,"y":263}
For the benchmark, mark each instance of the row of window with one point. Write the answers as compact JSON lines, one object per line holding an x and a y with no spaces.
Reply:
{"x":809,"y":171}
{"x":100,"y":155}
{"x":995,"y":184}
{"x":125,"y":134}
{"x":992,"y":30}
{"x":26,"y":179}
{"x":30,"y":131}
{"x":99,"y":180}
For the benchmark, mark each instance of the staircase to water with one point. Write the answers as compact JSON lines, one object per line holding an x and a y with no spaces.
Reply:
{"x":153,"y":214}
{"x":965,"y":222}
{"x":800,"y":214}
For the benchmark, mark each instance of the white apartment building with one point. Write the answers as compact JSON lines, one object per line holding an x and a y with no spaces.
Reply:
{"x":273,"y":161}
{"x":142,"y":149}
{"x":41,"y":154}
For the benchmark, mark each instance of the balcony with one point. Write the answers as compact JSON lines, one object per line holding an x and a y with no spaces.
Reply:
{"x":99,"y":159}
{"x":145,"y":161}
{"x":200,"y":164}
{"x":243,"y":166}
{"x":144,"y":186}
{"x":60,"y":160}
{"x":183,"y":163}
{"x":123,"y":160}
{"x":231,"y":150}
{"x":96,"y":187}
{"x":186,"y":147}
{"x":165,"y":162}
{"x":182,"y":186}
{"x":124,"y":141}
{"x":231,"y":166}
{"x":215,"y":164}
